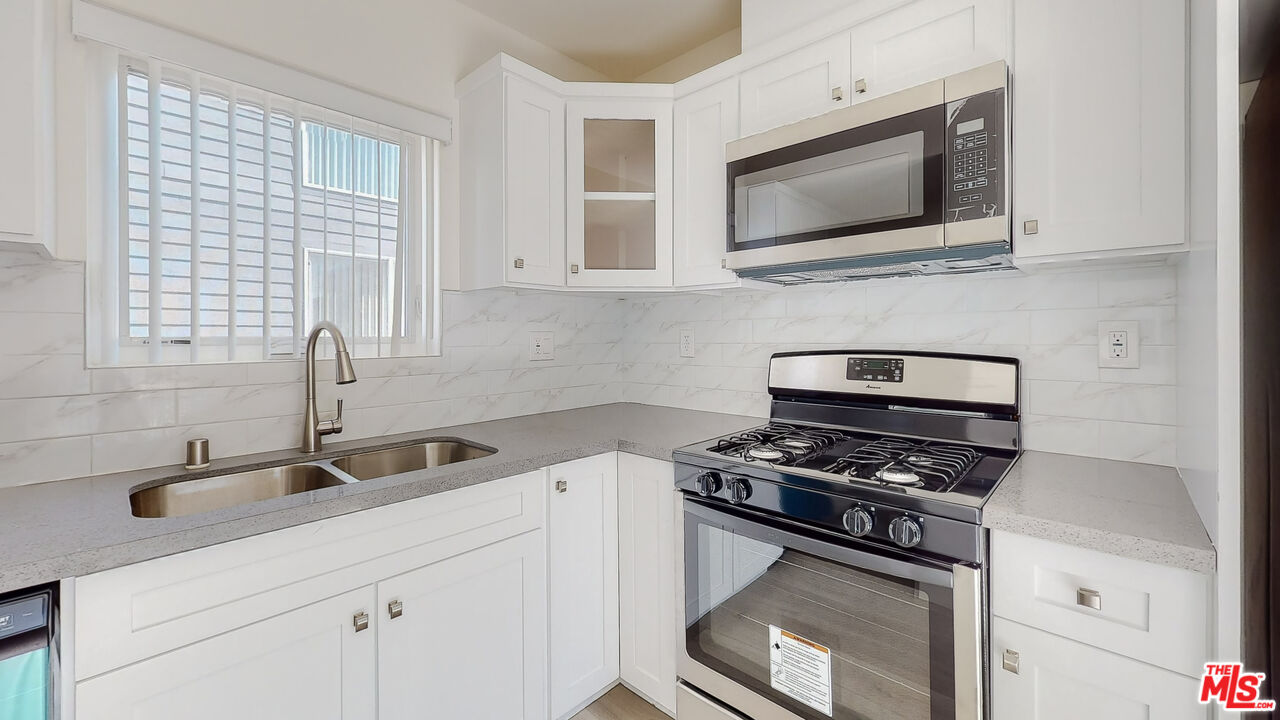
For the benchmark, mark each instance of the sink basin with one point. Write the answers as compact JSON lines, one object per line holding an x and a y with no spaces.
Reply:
{"x":189,"y":497}
{"x":381,"y":463}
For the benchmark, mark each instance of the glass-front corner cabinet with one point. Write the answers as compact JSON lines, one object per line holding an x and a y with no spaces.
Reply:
{"x":619,"y":193}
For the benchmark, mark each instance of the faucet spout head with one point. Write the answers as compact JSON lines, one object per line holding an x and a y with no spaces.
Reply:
{"x":346,"y":371}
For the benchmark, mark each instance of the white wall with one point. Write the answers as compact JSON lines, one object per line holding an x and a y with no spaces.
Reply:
{"x":411,"y":52}
{"x":59,"y":420}
{"x":1049,"y":321}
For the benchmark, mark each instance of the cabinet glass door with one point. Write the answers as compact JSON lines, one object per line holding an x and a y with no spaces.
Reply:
{"x":619,"y":193}
{"x":620,"y":209}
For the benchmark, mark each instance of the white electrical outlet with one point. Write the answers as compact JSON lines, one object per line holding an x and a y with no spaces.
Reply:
{"x":1119,"y":344}
{"x":686,"y":342}
{"x":542,"y":346}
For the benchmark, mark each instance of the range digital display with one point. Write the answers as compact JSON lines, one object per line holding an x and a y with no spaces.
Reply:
{"x":875,"y":370}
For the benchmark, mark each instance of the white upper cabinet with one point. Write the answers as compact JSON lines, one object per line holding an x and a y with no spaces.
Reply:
{"x":619,"y":192}
{"x":511,"y":133}
{"x":26,"y":127}
{"x":924,"y":40}
{"x":916,"y":42}
{"x":704,"y":122}
{"x":1099,"y":105}
{"x":808,"y":82}
{"x":534,"y":209}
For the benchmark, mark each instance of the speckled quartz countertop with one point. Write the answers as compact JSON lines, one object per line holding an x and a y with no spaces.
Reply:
{"x":68,"y":528}
{"x":1128,"y":509}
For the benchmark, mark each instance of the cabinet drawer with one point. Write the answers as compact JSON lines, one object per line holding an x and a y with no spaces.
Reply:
{"x":1039,"y":676}
{"x":1153,"y":613}
{"x":138,"y":611}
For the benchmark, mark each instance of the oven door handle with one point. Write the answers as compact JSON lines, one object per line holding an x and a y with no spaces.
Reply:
{"x":968,"y":616}
{"x":919,"y":570}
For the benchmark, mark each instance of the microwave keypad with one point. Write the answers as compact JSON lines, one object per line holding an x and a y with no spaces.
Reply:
{"x":975,"y":150}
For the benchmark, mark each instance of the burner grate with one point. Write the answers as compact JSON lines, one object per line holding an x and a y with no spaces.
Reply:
{"x":779,"y":443}
{"x":894,"y":461}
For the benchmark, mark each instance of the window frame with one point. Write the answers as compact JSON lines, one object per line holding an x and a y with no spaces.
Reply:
{"x":417,"y":207}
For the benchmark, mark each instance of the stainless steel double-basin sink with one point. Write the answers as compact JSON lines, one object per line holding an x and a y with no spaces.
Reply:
{"x":216,"y":492}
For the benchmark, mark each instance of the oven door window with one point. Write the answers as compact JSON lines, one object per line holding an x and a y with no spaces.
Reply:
{"x":874,"y":178}
{"x":890,"y":638}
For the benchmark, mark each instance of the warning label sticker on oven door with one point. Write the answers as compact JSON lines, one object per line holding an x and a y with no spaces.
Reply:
{"x":800,"y":668}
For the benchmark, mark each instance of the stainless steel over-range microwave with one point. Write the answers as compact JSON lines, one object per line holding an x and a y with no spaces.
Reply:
{"x":915,"y":182}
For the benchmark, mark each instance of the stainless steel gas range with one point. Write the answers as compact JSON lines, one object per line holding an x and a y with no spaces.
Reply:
{"x":833,"y":558}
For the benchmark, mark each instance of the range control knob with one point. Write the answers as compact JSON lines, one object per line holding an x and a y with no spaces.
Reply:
{"x":707,"y":484}
{"x":739,"y":490}
{"x":859,"y":521}
{"x":905,"y":532}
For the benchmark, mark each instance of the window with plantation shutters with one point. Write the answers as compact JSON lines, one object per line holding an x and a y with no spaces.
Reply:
{"x":246,"y":217}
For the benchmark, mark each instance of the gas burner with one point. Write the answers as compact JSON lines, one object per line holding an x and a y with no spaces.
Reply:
{"x":764,"y":452}
{"x":898,"y":474}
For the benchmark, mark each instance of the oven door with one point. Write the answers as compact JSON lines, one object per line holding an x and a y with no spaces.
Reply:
{"x":872,"y":189}
{"x":785,"y":624}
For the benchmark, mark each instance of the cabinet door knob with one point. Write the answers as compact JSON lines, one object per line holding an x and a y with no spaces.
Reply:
{"x":860,"y":85}
{"x":837,"y":93}
{"x":360,"y":620}
{"x":562,"y":486}
{"x":1031,"y":227}
{"x":1011,"y":661}
{"x":395,"y":609}
{"x":1091,"y":599}
{"x":519,"y":263}
{"x":574,"y":268}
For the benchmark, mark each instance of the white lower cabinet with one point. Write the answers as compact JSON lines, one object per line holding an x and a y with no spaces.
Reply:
{"x":647,"y":630}
{"x":582,"y":553}
{"x":466,"y":637}
{"x":311,"y":663}
{"x":1053,"y":678}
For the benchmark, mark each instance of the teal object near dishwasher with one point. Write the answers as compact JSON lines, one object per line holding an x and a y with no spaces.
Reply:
{"x":26,"y":668}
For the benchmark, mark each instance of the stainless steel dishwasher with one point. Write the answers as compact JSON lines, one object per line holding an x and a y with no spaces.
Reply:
{"x":28,"y":654}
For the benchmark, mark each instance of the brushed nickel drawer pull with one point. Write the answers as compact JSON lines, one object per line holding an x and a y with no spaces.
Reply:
{"x":1031,"y":227}
{"x":837,"y":93}
{"x":395,"y":609}
{"x":1011,"y":661}
{"x":860,"y":85}
{"x":519,"y":263}
{"x":562,"y":486}
{"x":1091,"y":599}
{"x":361,"y":621}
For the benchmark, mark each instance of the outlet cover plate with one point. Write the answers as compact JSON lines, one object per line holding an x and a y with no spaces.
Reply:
{"x":686,"y":342}
{"x":1119,"y":344}
{"x":542,"y":346}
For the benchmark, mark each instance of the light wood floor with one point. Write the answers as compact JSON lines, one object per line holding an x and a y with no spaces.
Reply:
{"x":620,"y":704}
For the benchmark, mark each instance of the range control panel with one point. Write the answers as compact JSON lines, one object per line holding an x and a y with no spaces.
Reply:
{"x":875,"y":369}
{"x":976,"y":157}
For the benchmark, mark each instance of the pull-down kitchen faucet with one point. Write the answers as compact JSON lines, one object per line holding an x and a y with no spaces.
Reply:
{"x":313,"y":427}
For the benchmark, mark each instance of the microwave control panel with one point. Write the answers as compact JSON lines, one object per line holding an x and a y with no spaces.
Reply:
{"x":976,"y":159}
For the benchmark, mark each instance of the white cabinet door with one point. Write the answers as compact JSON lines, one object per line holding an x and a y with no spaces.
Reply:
{"x":534,"y":184}
{"x":618,"y":157}
{"x":1099,"y":101}
{"x":802,"y":84}
{"x":923,"y":40}
{"x":582,"y":539}
{"x":26,"y":139}
{"x":469,"y":639}
{"x":704,"y":122}
{"x":307,"y":664}
{"x":1059,"y":679}
{"x":647,"y":628}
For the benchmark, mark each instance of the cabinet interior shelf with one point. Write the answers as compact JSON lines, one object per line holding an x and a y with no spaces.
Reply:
{"x":619,"y":195}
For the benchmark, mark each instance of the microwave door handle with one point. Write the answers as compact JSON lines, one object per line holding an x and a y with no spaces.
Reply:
{"x":908,"y":570}
{"x":967,"y":614}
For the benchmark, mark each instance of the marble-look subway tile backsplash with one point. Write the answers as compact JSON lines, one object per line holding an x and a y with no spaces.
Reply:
{"x":60,"y":420}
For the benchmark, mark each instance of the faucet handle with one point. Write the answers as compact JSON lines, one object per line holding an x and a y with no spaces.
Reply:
{"x":334,"y":426}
